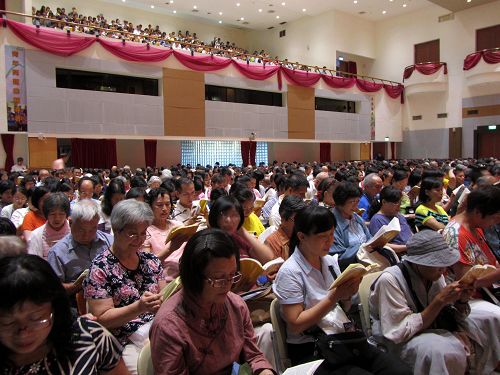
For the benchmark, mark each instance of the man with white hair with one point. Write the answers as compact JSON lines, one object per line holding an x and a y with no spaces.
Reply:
{"x":372,"y":185}
{"x":73,"y":253}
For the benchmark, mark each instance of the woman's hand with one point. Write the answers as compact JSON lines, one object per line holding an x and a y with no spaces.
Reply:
{"x":345,"y":291}
{"x":150,"y":302}
{"x":450,"y":293}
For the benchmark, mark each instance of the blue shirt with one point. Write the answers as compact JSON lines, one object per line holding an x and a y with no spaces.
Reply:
{"x":365,"y":202}
{"x":378,"y":220}
{"x":69,"y":259}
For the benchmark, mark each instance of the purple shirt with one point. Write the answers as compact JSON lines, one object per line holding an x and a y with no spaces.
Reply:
{"x":182,"y":342}
{"x":378,"y":220}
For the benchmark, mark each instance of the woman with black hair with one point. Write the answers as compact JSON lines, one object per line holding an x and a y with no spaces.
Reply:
{"x":34,"y":218}
{"x":246,"y":197}
{"x":227,"y":214}
{"x":37,"y":333}
{"x":302,"y":287}
{"x":204,"y":328}
{"x":383,"y":211}
{"x":429,"y":214}
{"x":115,"y":192}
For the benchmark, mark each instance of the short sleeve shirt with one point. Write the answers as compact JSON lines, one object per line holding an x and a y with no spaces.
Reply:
{"x":108,"y":278}
{"x":423,"y":213}
{"x":299,"y":282}
{"x":94,"y":351}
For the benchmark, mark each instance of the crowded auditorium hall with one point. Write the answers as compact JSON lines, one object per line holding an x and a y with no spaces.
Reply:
{"x":233,"y":187}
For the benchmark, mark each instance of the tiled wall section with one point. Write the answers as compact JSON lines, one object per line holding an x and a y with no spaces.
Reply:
{"x":470,"y":124}
{"x":428,"y":143}
{"x":65,"y":111}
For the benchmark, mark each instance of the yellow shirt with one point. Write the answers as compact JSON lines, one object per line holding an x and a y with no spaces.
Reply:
{"x":253,"y":225}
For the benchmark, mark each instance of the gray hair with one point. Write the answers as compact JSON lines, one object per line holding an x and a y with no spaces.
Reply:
{"x":11,"y":246}
{"x":129,"y":212}
{"x":84,"y":210}
{"x":370,"y":179}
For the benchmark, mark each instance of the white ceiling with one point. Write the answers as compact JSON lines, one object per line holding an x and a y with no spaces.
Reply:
{"x":247,"y":14}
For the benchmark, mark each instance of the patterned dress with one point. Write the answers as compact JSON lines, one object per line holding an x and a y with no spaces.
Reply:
{"x":108,"y":278}
{"x":94,"y":350}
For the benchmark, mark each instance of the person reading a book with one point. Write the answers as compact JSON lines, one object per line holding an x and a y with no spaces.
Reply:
{"x":123,"y":285}
{"x":384,"y":211}
{"x":351,"y":230}
{"x":302,"y":288}
{"x":426,"y":322}
{"x":205,"y":328}
{"x":38,"y":334}
{"x":187,"y":206}
{"x":325,"y":192}
{"x":227,"y":214}
{"x":279,"y":241}
{"x":246,"y":197}
{"x":429,"y":214}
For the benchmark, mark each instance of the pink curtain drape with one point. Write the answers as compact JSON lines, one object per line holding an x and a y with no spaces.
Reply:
{"x":325,"y":152}
{"x":150,"y":152}
{"x":489,"y":57}
{"x":425,"y":69}
{"x":8,"y":146}
{"x":93,"y":153}
{"x":65,"y":44}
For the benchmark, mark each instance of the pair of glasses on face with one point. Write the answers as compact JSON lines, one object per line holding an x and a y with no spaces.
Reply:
{"x":134,"y":237}
{"x":13,"y":328}
{"x":222,"y":283}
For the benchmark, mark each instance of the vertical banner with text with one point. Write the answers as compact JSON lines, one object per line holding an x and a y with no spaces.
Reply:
{"x":17,"y":115}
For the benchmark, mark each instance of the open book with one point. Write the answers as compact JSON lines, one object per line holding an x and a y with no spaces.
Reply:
{"x":251,"y":269}
{"x":477,"y":272}
{"x":384,"y":235}
{"x":82,"y":276}
{"x":187,"y":230}
{"x":203,"y":206}
{"x":353,"y":271}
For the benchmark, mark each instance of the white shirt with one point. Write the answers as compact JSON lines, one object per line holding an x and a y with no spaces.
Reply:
{"x":274,"y":216}
{"x":18,"y":168}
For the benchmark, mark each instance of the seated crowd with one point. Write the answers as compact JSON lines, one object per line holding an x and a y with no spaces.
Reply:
{"x":118,"y":29}
{"x":97,"y":266}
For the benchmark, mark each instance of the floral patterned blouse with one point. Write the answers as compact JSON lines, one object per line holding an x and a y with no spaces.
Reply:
{"x":108,"y":278}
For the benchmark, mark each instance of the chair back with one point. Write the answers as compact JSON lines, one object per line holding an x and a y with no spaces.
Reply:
{"x":364,"y":296}
{"x":144,"y":362}
{"x":279,"y":338}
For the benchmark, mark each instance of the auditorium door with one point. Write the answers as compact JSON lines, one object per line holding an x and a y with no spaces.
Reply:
{"x":487,"y":142}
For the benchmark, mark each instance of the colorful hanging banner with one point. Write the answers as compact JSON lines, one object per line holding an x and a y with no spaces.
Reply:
{"x":17,"y":115}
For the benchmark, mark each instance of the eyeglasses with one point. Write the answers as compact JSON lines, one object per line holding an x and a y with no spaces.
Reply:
{"x":134,"y":237}
{"x":221,"y":283}
{"x":32,"y":325}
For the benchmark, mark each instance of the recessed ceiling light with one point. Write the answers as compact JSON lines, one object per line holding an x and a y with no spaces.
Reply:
{"x":260,"y":10}
{"x":391,"y":1}
{"x":277,"y":17}
{"x":171,"y":1}
{"x":242,"y":18}
{"x":220,"y":21}
{"x":123,"y":1}
{"x":220,"y":13}
{"x":237,"y":4}
{"x":404,"y":5}
{"x":174,"y":11}
{"x":283,"y":3}
{"x":152,"y":6}
{"x":195,"y":7}
{"x":355,"y":1}
{"x":469,"y":1}
{"x":384,"y":12}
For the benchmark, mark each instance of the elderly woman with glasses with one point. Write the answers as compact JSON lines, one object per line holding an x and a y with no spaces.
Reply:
{"x":37,"y":332}
{"x":204,"y":328}
{"x":124,"y":283}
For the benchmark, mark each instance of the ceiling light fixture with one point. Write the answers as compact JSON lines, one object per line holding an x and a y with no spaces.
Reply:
{"x":195,"y":7}
{"x":123,"y":1}
{"x":404,"y":5}
{"x":304,"y":9}
{"x":220,"y":21}
{"x":384,"y":12}
{"x":220,"y":13}
{"x":242,"y":18}
{"x":152,"y":6}
{"x":174,"y":11}
{"x":260,"y":10}
{"x":237,"y":4}
{"x":277,"y":17}
{"x":355,"y":1}
{"x":283,"y":3}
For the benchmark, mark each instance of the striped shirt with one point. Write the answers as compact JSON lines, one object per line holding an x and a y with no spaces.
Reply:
{"x":423,"y":213}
